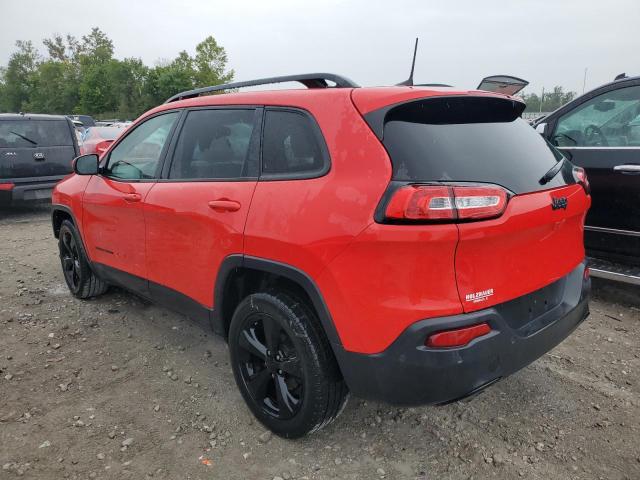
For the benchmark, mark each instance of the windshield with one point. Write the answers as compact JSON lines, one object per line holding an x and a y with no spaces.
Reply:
{"x":32,"y":133}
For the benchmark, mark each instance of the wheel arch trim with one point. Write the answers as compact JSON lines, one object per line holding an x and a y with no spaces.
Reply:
{"x":294,"y":274}
{"x":55,"y":208}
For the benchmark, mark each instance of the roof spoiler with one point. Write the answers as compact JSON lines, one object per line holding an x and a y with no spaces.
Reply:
{"x":504,"y":84}
{"x":309,"y":80}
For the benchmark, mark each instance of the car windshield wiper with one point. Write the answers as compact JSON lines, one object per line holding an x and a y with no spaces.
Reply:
{"x":553,"y":171}
{"x":24,"y":138}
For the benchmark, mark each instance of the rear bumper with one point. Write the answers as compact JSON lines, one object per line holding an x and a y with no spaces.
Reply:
{"x":32,"y":191}
{"x":409,"y":373}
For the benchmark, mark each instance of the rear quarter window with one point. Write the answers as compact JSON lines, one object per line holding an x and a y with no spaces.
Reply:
{"x":292,"y":146}
{"x":468,"y":139}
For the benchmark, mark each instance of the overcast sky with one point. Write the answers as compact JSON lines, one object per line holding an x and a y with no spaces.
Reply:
{"x":548,"y":42}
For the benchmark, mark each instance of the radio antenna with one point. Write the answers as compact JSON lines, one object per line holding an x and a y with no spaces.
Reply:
{"x":409,"y":81}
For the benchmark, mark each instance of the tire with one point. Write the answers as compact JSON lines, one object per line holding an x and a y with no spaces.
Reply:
{"x":284,"y":366}
{"x":80,"y":279}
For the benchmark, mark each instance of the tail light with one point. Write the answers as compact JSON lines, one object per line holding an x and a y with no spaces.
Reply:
{"x":458,"y":337}
{"x":581,"y":177}
{"x":6,"y":187}
{"x":101,"y":147}
{"x":446,"y":203}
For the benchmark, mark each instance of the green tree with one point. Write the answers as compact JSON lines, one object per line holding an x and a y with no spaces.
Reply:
{"x":211,"y":62}
{"x":551,"y":101}
{"x":20,"y":75}
{"x":96,"y":47}
{"x":82,"y":76}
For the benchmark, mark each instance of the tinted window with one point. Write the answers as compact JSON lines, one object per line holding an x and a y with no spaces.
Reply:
{"x":611,"y":119}
{"x":32,"y":133}
{"x":214,"y":144}
{"x":290,"y":144}
{"x":105,"y":133}
{"x":468,"y":139}
{"x":136,"y":156}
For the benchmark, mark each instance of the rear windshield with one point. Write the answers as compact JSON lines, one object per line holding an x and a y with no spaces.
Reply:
{"x":34,"y":133}
{"x":469,"y":139}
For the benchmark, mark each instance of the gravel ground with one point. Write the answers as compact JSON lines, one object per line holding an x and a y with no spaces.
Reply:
{"x":118,"y":388}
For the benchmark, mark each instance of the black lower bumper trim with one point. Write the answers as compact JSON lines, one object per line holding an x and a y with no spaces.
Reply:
{"x":409,"y":373}
{"x":29,"y":192}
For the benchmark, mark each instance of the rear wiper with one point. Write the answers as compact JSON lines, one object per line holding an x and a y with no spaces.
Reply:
{"x":553,"y":171}
{"x":24,"y":138}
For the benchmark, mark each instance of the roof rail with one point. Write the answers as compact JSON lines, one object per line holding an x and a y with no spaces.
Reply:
{"x":309,"y":80}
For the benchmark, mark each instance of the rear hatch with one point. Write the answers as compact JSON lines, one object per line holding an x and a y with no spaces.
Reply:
{"x":31,"y":147}
{"x":529,"y":231}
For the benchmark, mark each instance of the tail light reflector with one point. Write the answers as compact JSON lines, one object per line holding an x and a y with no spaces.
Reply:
{"x":442,"y":203}
{"x":101,"y":147}
{"x":458,"y":337}
{"x":581,"y":177}
{"x":6,"y":186}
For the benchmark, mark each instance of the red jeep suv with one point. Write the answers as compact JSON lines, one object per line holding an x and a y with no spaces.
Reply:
{"x":406,"y":244}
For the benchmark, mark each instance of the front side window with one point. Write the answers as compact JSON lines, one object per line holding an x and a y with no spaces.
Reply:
{"x":214,"y":144}
{"x":136,"y":157}
{"x":611,"y":119}
{"x":291,"y":145}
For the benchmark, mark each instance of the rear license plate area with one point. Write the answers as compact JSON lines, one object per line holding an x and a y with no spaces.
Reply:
{"x":526,"y":313}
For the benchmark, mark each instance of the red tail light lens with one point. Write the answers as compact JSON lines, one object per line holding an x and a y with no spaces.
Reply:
{"x":458,"y":337}
{"x":6,"y":186}
{"x":416,"y":202}
{"x":101,"y":147}
{"x":581,"y":177}
{"x":442,"y":203}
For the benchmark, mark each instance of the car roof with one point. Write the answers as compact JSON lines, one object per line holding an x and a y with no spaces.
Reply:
{"x":366,"y":99}
{"x":30,"y":116}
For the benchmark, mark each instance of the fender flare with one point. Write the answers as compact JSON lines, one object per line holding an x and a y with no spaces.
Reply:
{"x":57,"y":207}
{"x":232,"y":262}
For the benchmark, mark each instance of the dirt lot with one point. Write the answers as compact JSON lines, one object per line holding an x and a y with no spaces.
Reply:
{"x":118,"y":388}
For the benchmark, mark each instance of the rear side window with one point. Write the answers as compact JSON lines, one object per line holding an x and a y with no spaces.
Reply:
{"x":214,"y":144}
{"x":468,"y":139}
{"x":34,"y":133}
{"x":292,"y":146}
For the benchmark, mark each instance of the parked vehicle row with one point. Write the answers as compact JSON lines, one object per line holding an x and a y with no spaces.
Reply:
{"x":600,"y":131}
{"x":97,"y":139}
{"x":408,"y":244}
{"x":36,"y":152}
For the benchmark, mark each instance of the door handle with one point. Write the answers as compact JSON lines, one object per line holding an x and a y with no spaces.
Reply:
{"x":628,"y":169}
{"x":132,"y":197}
{"x":224,"y":205}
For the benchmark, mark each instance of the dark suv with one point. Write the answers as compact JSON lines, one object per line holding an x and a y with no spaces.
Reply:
{"x":36,"y":152}
{"x":600,"y":132}
{"x":407,"y":244}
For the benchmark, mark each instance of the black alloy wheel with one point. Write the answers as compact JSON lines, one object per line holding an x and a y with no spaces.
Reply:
{"x":284,"y":365}
{"x":70,"y":258}
{"x":270,"y":366}
{"x":78,"y":275}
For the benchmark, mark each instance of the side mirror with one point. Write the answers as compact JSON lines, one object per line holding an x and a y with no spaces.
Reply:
{"x":541,"y":127}
{"x":86,"y":164}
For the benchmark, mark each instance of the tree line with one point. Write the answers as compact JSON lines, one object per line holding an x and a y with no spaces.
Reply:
{"x":549,"y":101}
{"x":81,"y":76}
